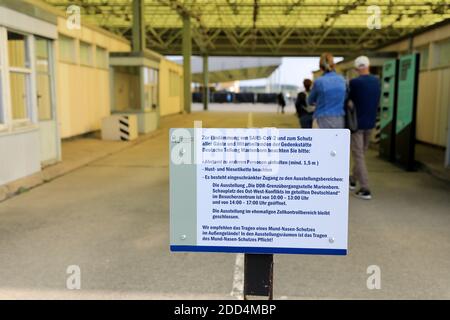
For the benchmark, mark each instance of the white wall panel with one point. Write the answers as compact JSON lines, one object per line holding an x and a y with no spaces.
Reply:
{"x":19,"y":155}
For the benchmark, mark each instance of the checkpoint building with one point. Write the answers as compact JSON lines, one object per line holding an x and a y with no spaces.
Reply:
{"x":56,"y":83}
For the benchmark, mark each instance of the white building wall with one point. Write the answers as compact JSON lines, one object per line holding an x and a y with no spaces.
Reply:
{"x":19,"y":155}
{"x":20,"y":145}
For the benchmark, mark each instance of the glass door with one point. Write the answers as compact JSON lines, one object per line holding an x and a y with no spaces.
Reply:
{"x":50,"y":144}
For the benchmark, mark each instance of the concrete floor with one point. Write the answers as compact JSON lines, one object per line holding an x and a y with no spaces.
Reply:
{"x":111,"y":219}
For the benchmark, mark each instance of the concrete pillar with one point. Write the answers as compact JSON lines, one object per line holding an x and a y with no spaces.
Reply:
{"x":138,"y":40}
{"x":187,"y":53}
{"x":205,"y":83}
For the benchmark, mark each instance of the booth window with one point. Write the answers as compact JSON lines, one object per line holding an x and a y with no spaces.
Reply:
{"x":67,"y":50}
{"x":86,"y":54}
{"x":126,"y":88}
{"x":151,"y":88}
{"x":43,"y":79}
{"x":442,"y":58}
{"x":102,"y":58}
{"x":20,"y":76}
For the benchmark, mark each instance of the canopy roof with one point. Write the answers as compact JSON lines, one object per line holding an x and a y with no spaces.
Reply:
{"x":267,"y":27}
{"x":224,"y":69}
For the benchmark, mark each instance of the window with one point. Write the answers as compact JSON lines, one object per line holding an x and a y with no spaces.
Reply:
{"x":43,"y":79}
{"x":86,"y":54}
{"x":20,"y":75}
{"x":67,"y":50}
{"x":442,"y":54}
{"x":174,"y":84}
{"x":424,"y":55}
{"x":102,"y":58}
{"x":151,"y":88}
{"x":127,"y":83}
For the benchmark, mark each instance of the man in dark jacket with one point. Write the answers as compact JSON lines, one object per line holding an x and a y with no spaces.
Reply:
{"x":281,"y":101}
{"x":364,"y":92}
{"x":304,"y":110}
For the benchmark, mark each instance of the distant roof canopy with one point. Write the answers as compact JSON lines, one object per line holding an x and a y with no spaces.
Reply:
{"x":224,"y":69}
{"x":268,"y":27}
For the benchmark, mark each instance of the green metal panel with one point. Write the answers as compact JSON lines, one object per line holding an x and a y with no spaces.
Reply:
{"x":388,"y":109}
{"x":388,"y":93}
{"x":405,"y":129}
{"x":406,"y":91}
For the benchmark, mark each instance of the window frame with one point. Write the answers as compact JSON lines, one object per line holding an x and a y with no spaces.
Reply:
{"x":74,"y":41}
{"x":91,"y":50}
{"x":151,"y":88}
{"x":437,"y":54}
{"x":97,"y":65}
{"x":29,"y":74}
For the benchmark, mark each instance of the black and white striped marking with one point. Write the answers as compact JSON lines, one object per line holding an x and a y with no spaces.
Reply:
{"x":124,"y":127}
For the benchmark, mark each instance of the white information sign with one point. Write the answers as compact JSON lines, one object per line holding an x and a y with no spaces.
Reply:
{"x":267,"y":191}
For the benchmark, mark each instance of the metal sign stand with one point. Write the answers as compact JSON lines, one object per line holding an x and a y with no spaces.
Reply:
{"x":258,"y":275}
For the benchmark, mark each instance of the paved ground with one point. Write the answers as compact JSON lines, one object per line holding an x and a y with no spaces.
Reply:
{"x":111,"y":218}
{"x":246,"y":107}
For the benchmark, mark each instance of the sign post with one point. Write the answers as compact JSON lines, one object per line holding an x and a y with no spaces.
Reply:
{"x":259,"y":192}
{"x":258,"y":275}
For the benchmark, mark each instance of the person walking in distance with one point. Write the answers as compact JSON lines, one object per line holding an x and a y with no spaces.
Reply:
{"x":364,"y":92}
{"x":281,"y":101}
{"x":328,"y":95}
{"x":304,"y":110}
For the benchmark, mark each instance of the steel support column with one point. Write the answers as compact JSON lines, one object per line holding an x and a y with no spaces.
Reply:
{"x":187,"y":53}
{"x":205,"y":83}
{"x":138,"y":40}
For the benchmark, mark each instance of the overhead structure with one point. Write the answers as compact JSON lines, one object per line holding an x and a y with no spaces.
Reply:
{"x":268,"y":27}
{"x":226,"y":69}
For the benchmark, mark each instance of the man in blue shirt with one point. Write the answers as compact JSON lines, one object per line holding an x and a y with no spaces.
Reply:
{"x":328,"y":95}
{"x":364,"y":92}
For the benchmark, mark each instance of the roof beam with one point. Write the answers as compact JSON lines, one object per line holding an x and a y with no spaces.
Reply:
{"x":335,"y":15}
{"x":234,"y":7}
{"x":292,"y":6}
